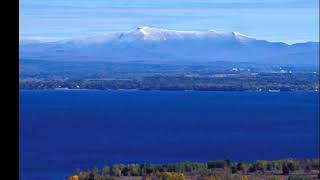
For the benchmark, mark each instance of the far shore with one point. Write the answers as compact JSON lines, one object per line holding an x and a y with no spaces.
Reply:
{"x":168,"y":90}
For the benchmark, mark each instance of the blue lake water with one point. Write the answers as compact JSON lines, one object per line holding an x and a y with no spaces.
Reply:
{"x":64,"y":130}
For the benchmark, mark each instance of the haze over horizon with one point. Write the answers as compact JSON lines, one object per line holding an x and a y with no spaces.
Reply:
{"x":288,"y":21}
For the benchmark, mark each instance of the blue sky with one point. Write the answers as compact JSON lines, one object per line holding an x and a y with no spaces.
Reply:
{"x":288,"y":21}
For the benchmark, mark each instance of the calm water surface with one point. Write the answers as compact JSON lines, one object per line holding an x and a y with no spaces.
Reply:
{"x":64,"y":130}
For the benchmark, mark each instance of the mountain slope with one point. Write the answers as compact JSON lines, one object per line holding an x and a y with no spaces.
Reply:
{"x":162,"y":45}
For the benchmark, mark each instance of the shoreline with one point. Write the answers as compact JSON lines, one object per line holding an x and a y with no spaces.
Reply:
{"x":173,"y":90}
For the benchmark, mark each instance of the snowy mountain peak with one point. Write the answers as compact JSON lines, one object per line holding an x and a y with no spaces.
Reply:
{"x":149,"y":33}
{"x":157,"y":45}
{"x":239,"y":35}
{"x":158,"y":34}
{"x":146,"y":28}
{"x":153,"y":34}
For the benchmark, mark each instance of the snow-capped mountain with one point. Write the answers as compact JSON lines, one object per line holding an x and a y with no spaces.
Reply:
{"x":162,"y":45}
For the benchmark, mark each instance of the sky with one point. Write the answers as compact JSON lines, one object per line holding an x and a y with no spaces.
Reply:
{"x":288,"y":21}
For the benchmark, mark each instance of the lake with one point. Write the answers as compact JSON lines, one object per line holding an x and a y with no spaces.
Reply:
{"x":63,"y":130}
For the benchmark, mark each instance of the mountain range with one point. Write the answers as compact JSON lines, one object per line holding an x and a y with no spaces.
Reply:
{"x":149,"y":44}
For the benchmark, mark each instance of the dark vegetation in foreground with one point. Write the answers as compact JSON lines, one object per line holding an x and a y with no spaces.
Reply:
{"x":212,"y":170}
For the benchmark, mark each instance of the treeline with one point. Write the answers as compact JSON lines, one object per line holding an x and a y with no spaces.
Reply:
{"x":201,"y":170}
{"x":262,"y":82}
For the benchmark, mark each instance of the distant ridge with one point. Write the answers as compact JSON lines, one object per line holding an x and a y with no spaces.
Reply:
{"x":145,"y":33}
{"x":163,"y":45}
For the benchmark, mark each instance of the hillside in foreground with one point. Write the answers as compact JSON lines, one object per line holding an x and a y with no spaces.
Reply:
{"x":288,"y":169}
